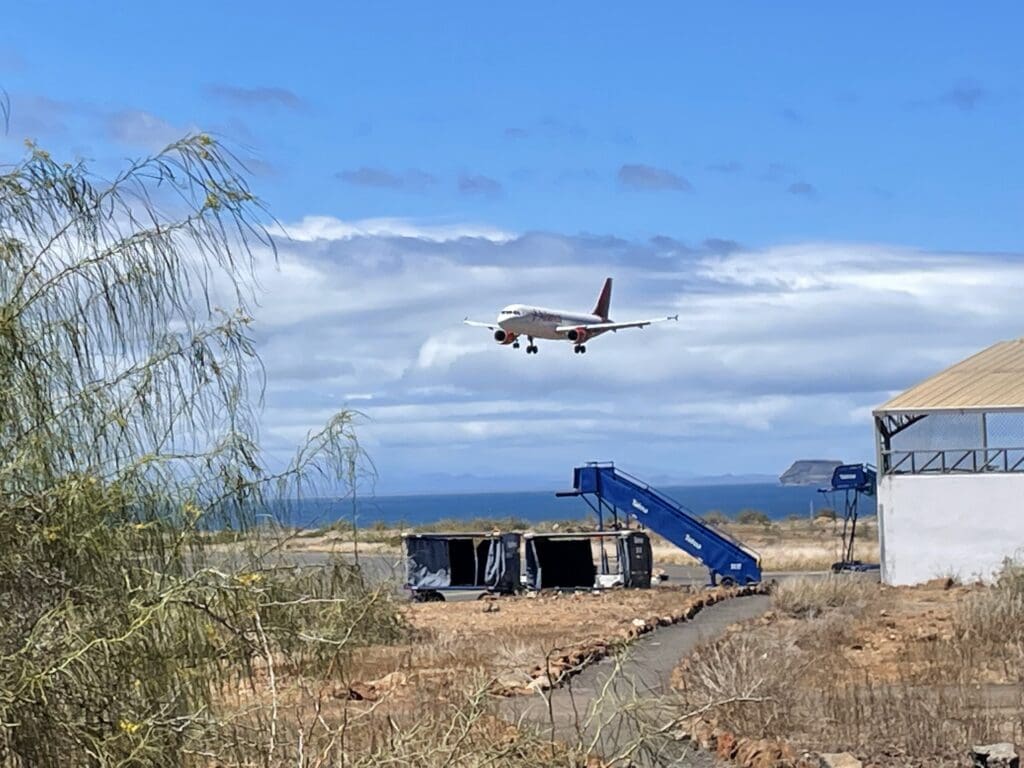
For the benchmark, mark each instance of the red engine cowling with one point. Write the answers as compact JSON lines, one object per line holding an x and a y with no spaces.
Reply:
{"x":504,"y":337}
{"x":579,"y":335}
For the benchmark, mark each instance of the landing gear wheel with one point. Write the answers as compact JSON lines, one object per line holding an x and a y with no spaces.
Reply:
{"x":515,"y":345}
{"x":579,"y":349}
{"x":531,"y":350}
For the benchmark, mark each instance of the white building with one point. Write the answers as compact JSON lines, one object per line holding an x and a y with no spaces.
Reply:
{"x":951,"y":470}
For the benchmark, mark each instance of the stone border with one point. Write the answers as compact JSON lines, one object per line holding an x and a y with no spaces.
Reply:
{"x":750,"y":752}
{"x":570,"y":661}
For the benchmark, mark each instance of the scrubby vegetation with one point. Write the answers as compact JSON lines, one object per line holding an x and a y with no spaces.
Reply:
{"x":896,"y":676}
{"x":715,"y":517}
{"x":128,"y":435}
{"x":752,"y":517}
{"x":810,"y":597}
{"x":147,"y":616}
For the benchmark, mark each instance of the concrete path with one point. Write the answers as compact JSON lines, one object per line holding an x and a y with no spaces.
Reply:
{"x":611,"y":705}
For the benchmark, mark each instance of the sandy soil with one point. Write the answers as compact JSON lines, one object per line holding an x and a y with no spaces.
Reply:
{"x":505,"y":645}
{"x":789,"y":545}
{"x":891,"y":679}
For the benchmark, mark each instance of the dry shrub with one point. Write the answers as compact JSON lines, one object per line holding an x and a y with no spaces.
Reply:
{"x":806,"y":597}
{"x":907,"y":723}
{"x":462,"y":731}
{"x":791,"y":682}
{"x":746,"y":680}
{"x":784,"y":685}
{"x":994,"y":618}
{"x":984,"y":643}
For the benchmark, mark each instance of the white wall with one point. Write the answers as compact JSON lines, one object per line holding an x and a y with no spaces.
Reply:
{"x":949,"y":525}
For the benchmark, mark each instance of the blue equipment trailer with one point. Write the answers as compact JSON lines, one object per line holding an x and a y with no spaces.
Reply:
{"x":728,"y":561}
{"x":852,"y":481}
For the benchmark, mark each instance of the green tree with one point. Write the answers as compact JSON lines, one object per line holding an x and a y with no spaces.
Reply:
{"x":128,"y":379}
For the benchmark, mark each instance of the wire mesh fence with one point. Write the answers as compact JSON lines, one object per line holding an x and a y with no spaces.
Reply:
{"x":948,"y":443}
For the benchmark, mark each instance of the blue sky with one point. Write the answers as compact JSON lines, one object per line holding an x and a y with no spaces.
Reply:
{"x":830,"y":196}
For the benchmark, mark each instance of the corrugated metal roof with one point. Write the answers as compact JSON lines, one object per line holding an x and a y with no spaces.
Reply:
{"x":993,"y":379}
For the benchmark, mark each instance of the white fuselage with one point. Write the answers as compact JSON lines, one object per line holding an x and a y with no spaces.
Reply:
{"x":540,"y":323}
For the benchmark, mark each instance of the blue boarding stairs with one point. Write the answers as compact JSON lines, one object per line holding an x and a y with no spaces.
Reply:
{"x":727,"y":560}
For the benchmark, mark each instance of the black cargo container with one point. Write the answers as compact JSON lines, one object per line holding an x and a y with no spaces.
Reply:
{"x":568,"y":560}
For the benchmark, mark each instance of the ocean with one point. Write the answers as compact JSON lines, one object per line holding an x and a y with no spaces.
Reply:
{"x":776,"y":501}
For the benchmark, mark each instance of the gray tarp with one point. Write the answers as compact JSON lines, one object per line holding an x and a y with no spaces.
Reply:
{"x":427,"y":563}
{"x":487,"y":563}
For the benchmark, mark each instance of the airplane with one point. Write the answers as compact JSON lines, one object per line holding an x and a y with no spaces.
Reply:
{"x":517,"y":320}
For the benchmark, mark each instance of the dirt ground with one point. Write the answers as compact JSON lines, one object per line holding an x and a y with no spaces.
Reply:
{"x":515,"y":645}
{"x":897,"y":676}
{"x":787,"y":545}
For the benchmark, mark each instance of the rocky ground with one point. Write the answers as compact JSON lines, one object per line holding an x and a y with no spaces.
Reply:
{"x":518,"y":645}
{"x":895,"y":676}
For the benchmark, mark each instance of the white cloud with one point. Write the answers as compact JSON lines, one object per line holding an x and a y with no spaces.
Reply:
{"x":330,"y":228}
{"x":140,"y":128}
{"x":779,"y":353}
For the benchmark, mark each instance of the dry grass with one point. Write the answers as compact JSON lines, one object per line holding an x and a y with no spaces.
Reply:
{"x":807,"y":597}
{"x":788,"y":545}
{"x":459,"y":645}
{"x":898,"y":677}
{"x":784,"y":546}
{"x":431,"y":702}
{"x":994,"y":618}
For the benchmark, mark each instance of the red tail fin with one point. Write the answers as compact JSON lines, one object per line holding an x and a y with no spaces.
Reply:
{"x":604,"y":300}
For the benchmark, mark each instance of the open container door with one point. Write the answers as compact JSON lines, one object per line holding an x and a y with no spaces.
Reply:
{"x":427,"y":563}
{"x":636,"y":560}
{"x":502,"y":571}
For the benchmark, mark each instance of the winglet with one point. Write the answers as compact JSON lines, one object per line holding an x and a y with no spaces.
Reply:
{"x":604,"y":300}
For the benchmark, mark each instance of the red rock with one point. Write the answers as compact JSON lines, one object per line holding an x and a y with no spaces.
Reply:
{"x":726,"y":746}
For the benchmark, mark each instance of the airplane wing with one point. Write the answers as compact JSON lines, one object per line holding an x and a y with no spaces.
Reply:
{"x":478,"y":324}
{"x":614,"y":326}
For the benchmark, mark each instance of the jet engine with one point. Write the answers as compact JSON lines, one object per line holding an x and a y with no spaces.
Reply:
{"x":504,"y":337}
{"x":579,"y":335}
